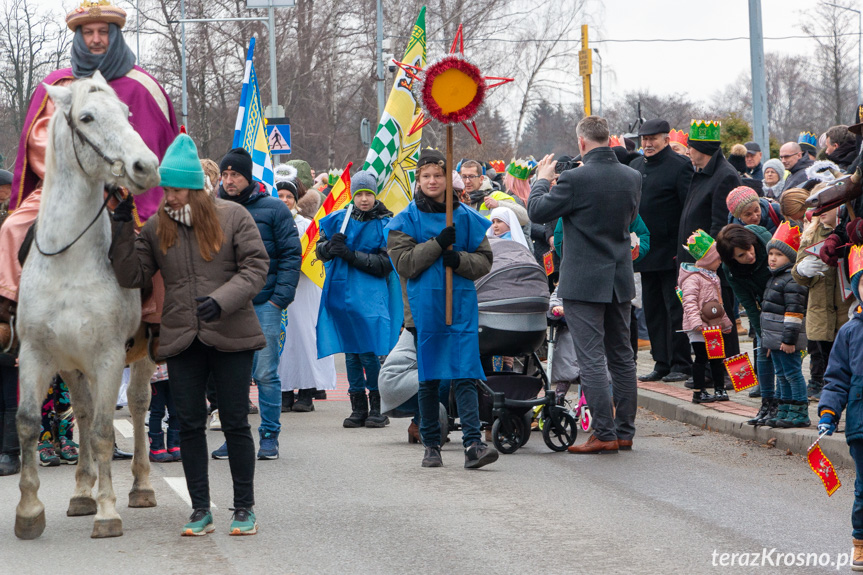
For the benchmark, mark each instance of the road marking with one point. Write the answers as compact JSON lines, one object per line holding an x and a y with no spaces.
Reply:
{"x":178,"y":484}
{"x":124,"y":427}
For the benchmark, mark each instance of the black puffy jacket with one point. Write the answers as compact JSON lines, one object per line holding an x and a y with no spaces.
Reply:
{"x":377,"y":264}
{"x":783,"y":310}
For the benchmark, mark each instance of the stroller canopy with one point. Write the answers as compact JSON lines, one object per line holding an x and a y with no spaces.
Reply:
{"x":516,"y":284}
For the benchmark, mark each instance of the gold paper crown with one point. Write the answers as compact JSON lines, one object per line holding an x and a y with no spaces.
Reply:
{"x":95,"y":11}
{"x":701,"y":131}
{"x":855,"y":260}
{"x":788,"y":235}
{"x":518,"y":169}
{"x":698,"y":244}
{"x":333,"y":177}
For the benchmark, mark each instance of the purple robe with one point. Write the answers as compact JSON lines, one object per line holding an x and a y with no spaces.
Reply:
{"x":155,"y":123}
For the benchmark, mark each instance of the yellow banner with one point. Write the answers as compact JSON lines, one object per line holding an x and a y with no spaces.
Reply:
{"x":339,"y":197}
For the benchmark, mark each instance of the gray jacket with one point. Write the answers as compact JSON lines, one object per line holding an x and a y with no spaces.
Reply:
{"x":597,"y":201}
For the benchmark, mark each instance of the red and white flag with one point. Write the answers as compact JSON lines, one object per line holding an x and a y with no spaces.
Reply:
{"x":823,"y":468}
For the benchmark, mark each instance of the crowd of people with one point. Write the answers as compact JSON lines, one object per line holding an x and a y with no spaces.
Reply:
{"x":708,"y":238}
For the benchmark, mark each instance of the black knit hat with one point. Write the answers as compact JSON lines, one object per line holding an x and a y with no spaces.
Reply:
{"x":431,"y":156}
{"x":708,"y":148}
{"x":238,"y":160}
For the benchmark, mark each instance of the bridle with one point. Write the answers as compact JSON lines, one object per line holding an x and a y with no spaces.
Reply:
{"x":118,"y":170}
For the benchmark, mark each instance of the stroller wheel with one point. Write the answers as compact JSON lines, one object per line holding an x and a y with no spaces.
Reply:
{"x":560,"y":429}
{"x":586,"y":419}
{"x":507,"y":433}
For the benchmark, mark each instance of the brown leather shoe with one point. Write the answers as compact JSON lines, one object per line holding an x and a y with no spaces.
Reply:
{"x":414,"y":433}
{"x":594,"y":445}
{"x":624,"y":444}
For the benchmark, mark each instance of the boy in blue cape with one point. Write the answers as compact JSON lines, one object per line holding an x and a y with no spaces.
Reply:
{"x":418,"y":240}
{"x":361,"y":311}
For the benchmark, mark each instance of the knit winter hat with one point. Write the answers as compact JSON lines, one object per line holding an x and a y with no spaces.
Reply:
{"x":364,"y":181}
{"x":431,"y":156}
{"x":181,"y":168}
{"x":786,"y":240}
{"x":776,"y":165}
{"x":238,"y":160}
{"x":793,"y":201}
{"x":739,"y":198}
{"x":304,"y":172}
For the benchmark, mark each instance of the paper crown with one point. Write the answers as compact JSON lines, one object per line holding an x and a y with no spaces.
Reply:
{"x":698,"y":244}
{"x":855,"y":260}
{"x":808,"y":138}
{"x":705,"y":131}
{"x":679,"y":136}
{"x":614,"y":141}
{"x":95,"y":11}
{"x":498,"y":166}
{"x":518,"y":169}
{"x":333,"y":177}
{"x":788,"y":235}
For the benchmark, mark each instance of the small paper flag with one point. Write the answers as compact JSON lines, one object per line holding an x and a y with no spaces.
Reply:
{"x":679,"y":293}
{"x":740,"y":371}
{"x":823,"y":468}
{"x":815,"y":249}
{"x":548,"y":261}
{"x":714,"y":342}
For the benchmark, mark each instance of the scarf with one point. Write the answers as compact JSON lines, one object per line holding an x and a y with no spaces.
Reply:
{"x":113,"y":64}
{"x":428,"y":205}
{"x":183,"y":215}
{"x":242,"y":197}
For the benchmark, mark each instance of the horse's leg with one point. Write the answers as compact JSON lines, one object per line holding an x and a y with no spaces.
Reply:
{"x":139,"y":394}
{"x":34,"y":377}
{"x":82,"y":502}
{"x":105,"y":384}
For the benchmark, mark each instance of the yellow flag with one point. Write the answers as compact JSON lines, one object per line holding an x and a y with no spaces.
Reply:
{"x":339,"y":197}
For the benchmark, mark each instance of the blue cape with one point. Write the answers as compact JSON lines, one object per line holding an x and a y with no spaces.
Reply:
{"x":359,"y":312}
{"x":444,"y":352}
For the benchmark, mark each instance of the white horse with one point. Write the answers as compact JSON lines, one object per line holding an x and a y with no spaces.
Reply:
{"x":73,"y":317}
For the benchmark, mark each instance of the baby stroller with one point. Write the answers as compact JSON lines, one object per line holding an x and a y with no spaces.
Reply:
{"x":513,"y":301}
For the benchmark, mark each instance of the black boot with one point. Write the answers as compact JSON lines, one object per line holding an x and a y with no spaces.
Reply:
{"x":9,"y":448}
{"x":375,"y":419}
{"x":762,"y":412}
{"x":305,"y":400}
{"x":287,"y":401}
{"x":778,"y":411}
{"x":360,"y":410}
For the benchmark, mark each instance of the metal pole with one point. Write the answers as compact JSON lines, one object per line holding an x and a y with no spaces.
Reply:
{"x":138,"y":32}
{"x":274,"y":85}
{"x":601,"y":70}
{"x":379,"y":51}
{"x":760,"y":129}
{"x":185,"y":111}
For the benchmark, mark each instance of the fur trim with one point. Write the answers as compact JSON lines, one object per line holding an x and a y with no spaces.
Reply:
{"x":309,"y":204}
{"x":284,"y":172}
{"x":823,"y":171}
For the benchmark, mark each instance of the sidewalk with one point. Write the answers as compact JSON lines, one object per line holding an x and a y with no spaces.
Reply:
{"x":674,"y":401}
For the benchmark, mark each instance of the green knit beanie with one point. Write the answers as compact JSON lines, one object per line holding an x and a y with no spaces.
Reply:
{"x":304,"y":172}
{"x":181,"y":167}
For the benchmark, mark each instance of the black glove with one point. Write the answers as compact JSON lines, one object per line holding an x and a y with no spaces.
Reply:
{"x":451,"y":258}
{"x":123,"y":211}
{"x":446,"y":237}
{"x":208,"y":309}
{"x":337,"y":246}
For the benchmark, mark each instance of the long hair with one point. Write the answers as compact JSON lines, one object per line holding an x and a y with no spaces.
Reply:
{"x":205,"y":222}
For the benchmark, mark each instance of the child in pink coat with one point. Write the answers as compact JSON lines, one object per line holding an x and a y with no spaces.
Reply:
{"x":701,"y":295}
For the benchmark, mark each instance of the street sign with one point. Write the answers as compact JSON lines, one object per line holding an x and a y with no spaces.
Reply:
{"x":279,"y":138}
{"x":585,"y":62}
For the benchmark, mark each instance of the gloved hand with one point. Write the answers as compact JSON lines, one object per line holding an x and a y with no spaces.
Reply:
{"x":446,"y":237}
{"x":337,"y":246}
{"x":208,"y":309}
{"x":826,"y":424}
{"x":829,"y":253}
{"x":451,"y":258}
{"x":854,"y":229}
{"x":123,"y":211}
{"x":810,"y":266}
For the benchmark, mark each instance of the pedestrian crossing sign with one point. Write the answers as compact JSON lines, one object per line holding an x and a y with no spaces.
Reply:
{"x":279,"y":138}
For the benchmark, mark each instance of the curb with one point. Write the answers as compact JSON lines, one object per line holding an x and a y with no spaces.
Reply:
{"x":797,"y":440}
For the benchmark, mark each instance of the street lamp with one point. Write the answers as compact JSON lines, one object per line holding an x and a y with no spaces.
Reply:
{"x":859,"y":44}
{"x":596,"y":50}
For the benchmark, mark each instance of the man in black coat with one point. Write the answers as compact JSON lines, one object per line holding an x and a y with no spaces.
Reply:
{"x":666,"y":178}
{"x":795,"y":161}
{"x":597,"y":202}
{"x":705,"y":209}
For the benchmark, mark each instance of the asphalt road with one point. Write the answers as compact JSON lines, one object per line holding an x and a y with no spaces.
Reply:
{"x":357,"y":501}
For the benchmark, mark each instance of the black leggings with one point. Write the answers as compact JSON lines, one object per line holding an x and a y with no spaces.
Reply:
{"x":699,"y":367}
{"x":8,"y":388}
{"x":231,"y":372}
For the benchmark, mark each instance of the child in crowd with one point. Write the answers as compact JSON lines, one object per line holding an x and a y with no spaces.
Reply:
{"x":161,"y":401}
{"x":701,"y":294}
{"x":361,"y":312}
{"x":564,"y":365}
{"x":747,"y":209}
{"x":783,"y":311}
{"x":504,"y":225}
{"x":793,"y":206}
{"x":827,"y":309}
{"x":418,"y":242}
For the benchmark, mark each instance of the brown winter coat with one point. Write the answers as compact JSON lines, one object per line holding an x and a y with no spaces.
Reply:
{"x":235,"y":275}
{"x":827,"y":309}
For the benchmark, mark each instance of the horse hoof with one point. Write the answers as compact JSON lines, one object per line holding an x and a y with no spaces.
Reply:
{"x":142,"y":498}
{"x":107,"y":528}
{"x":80,"y":506}
{"x":29,"y":527}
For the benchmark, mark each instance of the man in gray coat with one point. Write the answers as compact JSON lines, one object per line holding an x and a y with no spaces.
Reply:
{"x":597,"y":202}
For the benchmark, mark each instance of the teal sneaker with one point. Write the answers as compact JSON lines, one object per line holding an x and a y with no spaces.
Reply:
{"x":244,"y":522}
{"x":200,"y":523}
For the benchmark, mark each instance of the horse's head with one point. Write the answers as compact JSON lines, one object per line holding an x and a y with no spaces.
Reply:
{"x":105,"y":144}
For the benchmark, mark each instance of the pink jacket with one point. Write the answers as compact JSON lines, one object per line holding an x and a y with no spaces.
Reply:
{"x":699,"y":286}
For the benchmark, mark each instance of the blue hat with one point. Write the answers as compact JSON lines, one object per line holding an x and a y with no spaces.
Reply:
{"x":181,"y":168}
{"x":364,"y":181}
